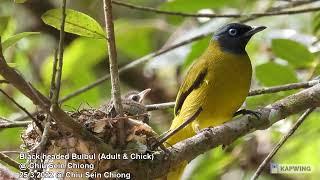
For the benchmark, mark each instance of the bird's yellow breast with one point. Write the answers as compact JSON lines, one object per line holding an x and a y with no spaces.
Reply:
{"x":220,"y":95}
{"x":227,"y":85}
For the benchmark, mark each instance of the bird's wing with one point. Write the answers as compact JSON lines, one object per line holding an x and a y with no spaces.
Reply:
{"x":193,"y":80}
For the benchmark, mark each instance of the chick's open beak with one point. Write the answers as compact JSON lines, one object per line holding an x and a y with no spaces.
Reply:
{"x":143,"y":94}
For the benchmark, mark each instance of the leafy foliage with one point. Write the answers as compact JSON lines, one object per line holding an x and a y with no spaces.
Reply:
{"x":14,"y":39}
{"x":76,"y":23}
{"x":271,"y":74}
{"x":295,"y":53}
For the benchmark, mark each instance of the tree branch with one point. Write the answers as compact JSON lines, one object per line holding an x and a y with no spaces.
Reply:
{"x":285,"y":87}
{"x":4,"y":81}
{"x":281,"y":142}
{"x":38,"y":124}
{"x":9,"y":161}
{"x":211,"y":15}
{"x":114,"y":75}
{"x":58,"y":74}
{"x":54,"y":74}
{"x":225,"y":134}
{"x":5,"y":120}
{"x":14,"y":124}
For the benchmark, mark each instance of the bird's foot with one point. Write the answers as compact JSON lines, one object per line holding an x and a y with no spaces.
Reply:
{"x":167,"y":153}
{"x":246,"y":111}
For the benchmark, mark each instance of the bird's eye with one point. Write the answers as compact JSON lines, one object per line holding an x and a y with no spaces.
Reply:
{"x":134,"y":97}
{"x":233,"y":32}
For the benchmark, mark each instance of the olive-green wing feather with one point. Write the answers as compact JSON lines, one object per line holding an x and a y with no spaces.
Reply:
{"x":193,"y":80}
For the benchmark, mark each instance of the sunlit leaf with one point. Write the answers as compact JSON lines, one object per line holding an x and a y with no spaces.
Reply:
{"x":76,"y":23}
{"x":295,"y":53}
{"x":15,"y":38}
{"x":271,"y":74}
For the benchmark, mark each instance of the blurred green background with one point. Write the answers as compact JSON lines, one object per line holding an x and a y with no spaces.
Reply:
{"x":286,"y":52}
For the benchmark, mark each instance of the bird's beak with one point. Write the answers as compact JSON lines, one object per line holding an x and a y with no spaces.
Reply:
{"x":254,"y":31}
{"x":143,"y":94}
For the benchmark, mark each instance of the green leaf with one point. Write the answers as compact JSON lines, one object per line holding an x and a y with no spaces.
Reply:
{"x":295,"y":53}
{"x":76,"y":23}
{"x":196,"y":50}
{"x":4,"y":20}
{"x":271,"y":74}
{"x":15,"y":38}
{"x":316,"y":23}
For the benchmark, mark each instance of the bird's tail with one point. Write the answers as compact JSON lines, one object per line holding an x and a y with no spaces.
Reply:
{"x":176,"y":173}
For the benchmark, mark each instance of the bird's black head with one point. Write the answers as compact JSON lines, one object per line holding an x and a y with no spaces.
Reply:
{"x":235,"y":36}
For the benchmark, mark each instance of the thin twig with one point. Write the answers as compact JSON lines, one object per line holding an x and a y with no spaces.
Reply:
{"x":174,"y":131}
{"x":4,"y":119}
{"x":4,"y":81}
{"x":56,"y":92}
{"x":255,"y":92}
{"x":44,"y":139}
{"x":281,"y":142}
{"x":114,"y":75}
{"x":285,"y":87}
{"x":9,"y":161}
{"x":211,"y":15}
{"x":14,"y":124}
{"x":54,"y":74}
{"x":37,"y":123}
{"x":160,"y":106}
{"x":11,"y":152}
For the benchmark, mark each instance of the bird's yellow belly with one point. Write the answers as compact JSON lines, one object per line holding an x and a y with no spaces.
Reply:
{"x":227,"y":91}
